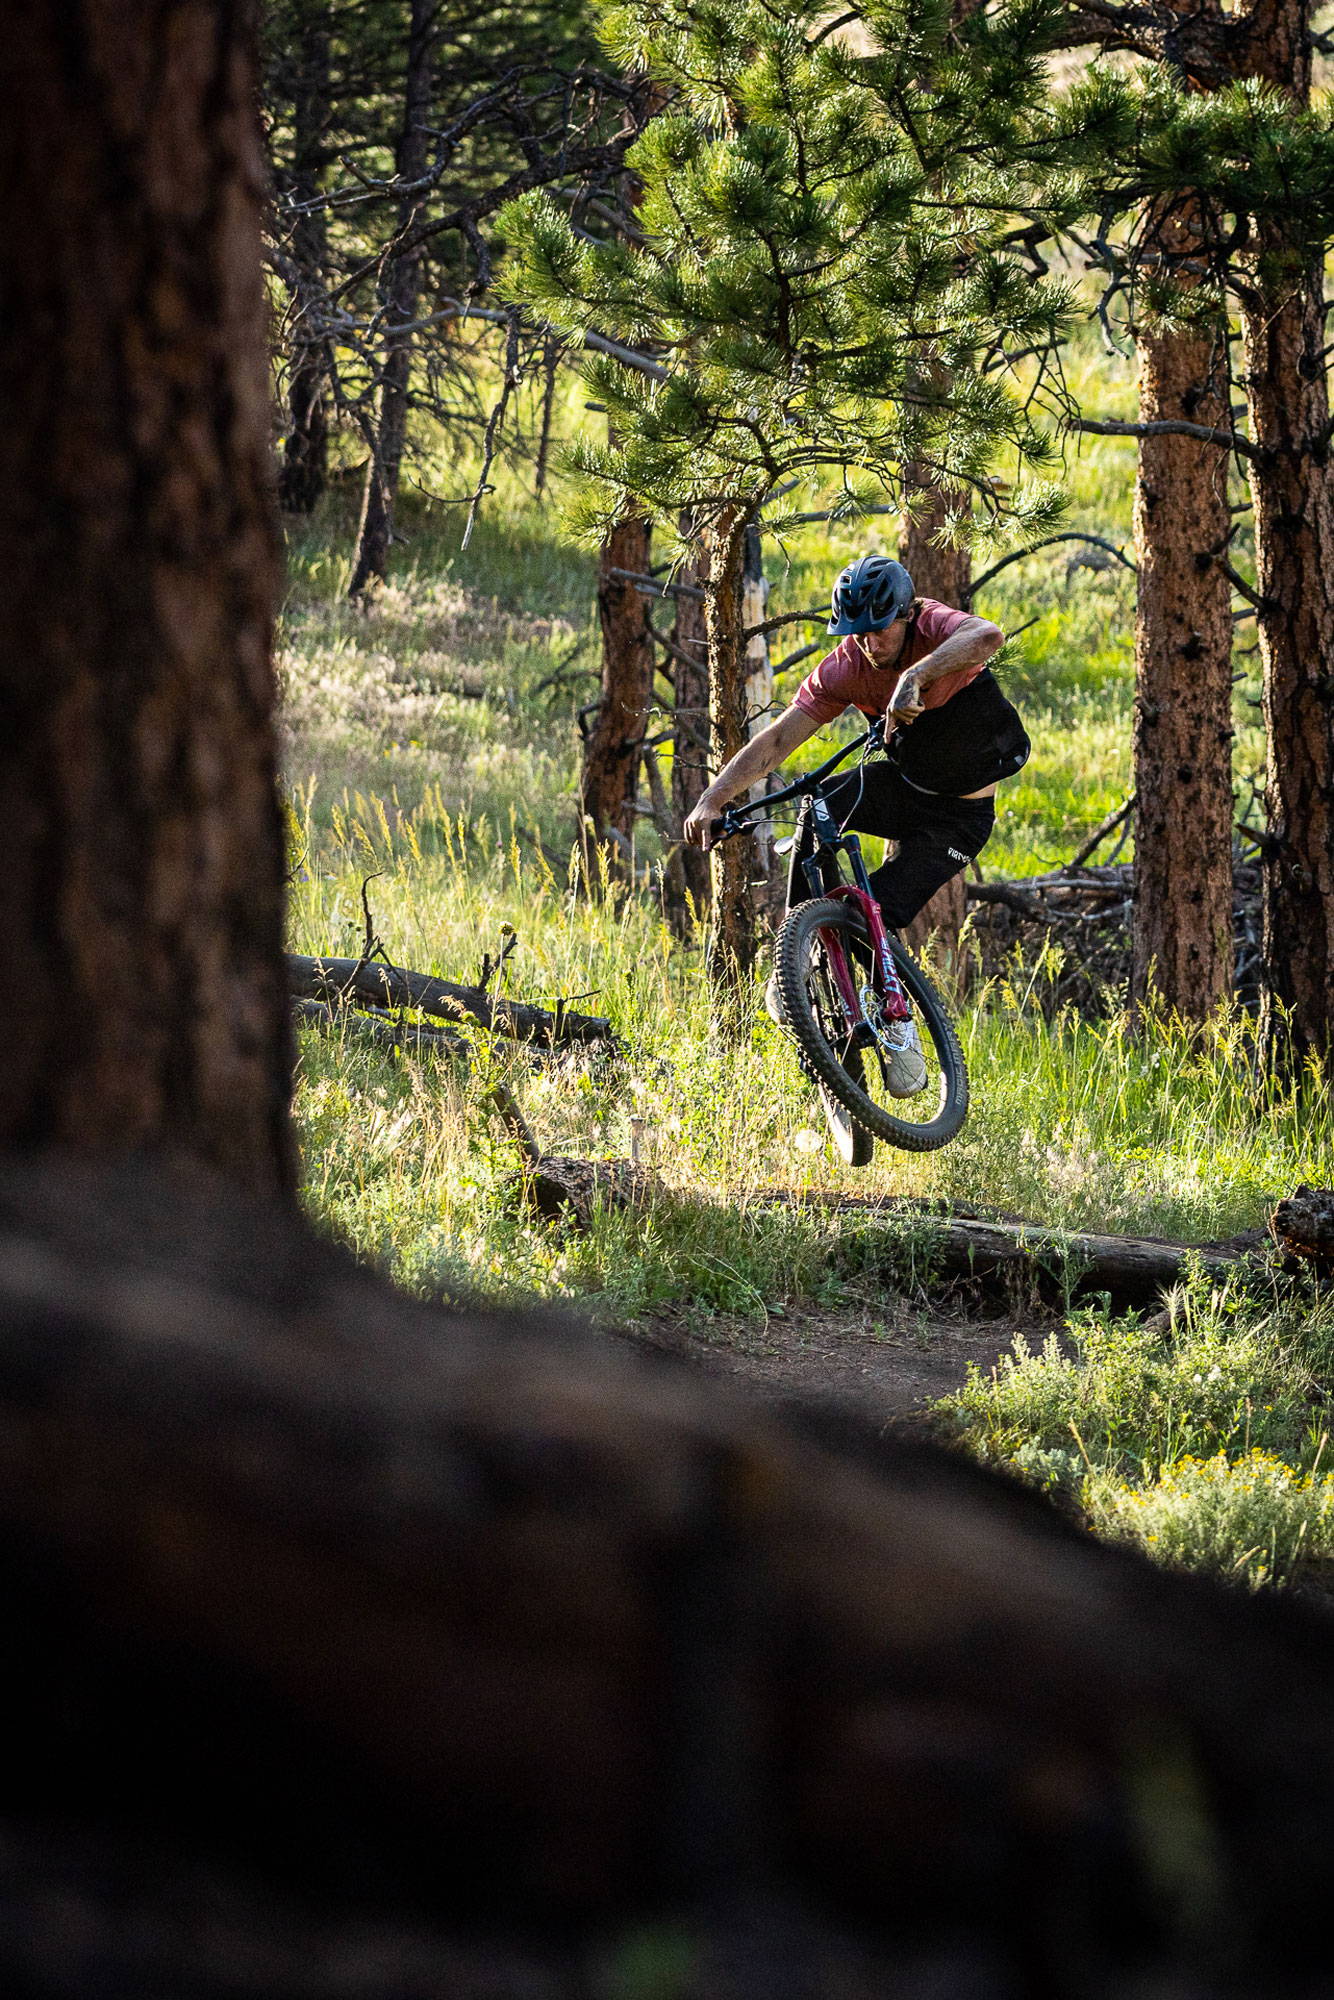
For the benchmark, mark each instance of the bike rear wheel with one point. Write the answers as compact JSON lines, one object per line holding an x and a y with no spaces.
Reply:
{"x":815,"y":936}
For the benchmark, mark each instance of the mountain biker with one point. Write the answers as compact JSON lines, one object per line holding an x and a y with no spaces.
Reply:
{"x":952,"y":736}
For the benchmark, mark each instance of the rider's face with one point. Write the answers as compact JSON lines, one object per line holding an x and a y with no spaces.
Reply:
{"x":883,"y":646}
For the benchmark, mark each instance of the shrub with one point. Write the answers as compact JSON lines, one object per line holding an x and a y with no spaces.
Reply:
{"x":1253,"y":1518}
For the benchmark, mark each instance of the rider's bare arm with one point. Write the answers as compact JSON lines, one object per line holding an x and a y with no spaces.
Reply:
{"x":765,"y":751}
{"x":970,"y":645}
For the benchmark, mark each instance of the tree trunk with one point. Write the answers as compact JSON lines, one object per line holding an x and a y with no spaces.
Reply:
{"x":388,"y":438}
{"x":1182,"y":921}
{"x":945,"y":574}
{"x":1293,"y":491}
{"x":690,"y":754}
{"x":768,"y":882}
{"x":357,"y":1649}
{"x":936,"y":570}
{"x":1292,"y":486}
{"x":609,"y":782}
{"x":731,"y":952}
{"x":143,"y":851}
{"x":303,"y":472}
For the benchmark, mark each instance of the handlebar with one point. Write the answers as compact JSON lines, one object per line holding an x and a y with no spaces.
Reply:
{"x":735,"y":819}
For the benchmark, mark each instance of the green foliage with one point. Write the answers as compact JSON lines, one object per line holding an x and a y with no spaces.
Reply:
{"x":1130,"y":1398}
{"x":1252,"y":1519}
{"x":1192,"y":1435}
{"x":824,"y":260}
{"x":1246,"y":151}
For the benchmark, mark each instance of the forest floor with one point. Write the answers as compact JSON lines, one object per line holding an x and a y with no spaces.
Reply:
{"x":891,"y":1358}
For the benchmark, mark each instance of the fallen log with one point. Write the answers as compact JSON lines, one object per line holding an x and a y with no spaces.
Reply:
{"x":1131,"y":1270}
{"x":1016,"y":1256}
{"x":338,"y":981}
{"x":355,"y":1649}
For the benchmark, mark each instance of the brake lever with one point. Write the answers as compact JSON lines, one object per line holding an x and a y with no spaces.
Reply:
{"x":724,"y":828}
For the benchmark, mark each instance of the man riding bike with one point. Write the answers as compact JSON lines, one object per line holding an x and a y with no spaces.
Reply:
{"x":951,"y":737}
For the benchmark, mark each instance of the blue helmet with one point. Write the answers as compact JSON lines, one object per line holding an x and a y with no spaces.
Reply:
{"x":870,"y":593}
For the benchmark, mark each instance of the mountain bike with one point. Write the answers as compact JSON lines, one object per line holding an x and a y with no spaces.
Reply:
{"x":849,"y":991}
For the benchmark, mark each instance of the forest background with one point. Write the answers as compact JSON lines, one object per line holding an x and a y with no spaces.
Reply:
{"x":492,"y":728}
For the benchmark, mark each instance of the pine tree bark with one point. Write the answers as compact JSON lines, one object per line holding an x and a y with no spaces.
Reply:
{"x":304,"y":470}
{"x":144,"y":1004}
{"x":769,"y":882}
{"x":1182,"y":919}
{"x":690,"y":752}
{"x":388,"y":437}
{"x":731,"y":952}
{"x":945,"y":574}
{"x":1293,"y":491}
{"x":1292,"y":486}
{"x":609,"y":782}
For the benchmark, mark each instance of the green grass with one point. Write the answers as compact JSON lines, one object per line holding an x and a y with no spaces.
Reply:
{"x":431,"y":744}
{"x":1201,"y":1440}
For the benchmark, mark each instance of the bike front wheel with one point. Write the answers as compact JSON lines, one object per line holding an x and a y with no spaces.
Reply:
{"x":820,"y":938}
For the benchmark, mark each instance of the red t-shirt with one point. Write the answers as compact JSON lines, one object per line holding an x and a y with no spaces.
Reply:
{"x":845,"y":678}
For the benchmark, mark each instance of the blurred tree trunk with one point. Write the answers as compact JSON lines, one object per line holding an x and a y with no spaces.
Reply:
{"x":731,"y":953}
{"x":387,"y":438}
{"x":943,"y":573}
{"x":609,"y":782}
{"x":688,"y":880}
{"x":144,"y":1004}
{"x":1182,"y":924}
{"x":303,"y":472}
{"x":364,"y":1650}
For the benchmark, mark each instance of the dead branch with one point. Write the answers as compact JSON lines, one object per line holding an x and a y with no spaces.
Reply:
{"x":653,"y":586}
{"x":1100,"y":833}
{"x":378,"y":1029}
{"x":1170,"y":427}
{"x":1084,"y":910}
{"x":1047,"y":542}
{"x":339,"y":980}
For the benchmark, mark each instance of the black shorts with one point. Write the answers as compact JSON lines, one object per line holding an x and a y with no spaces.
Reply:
{"x":937,"y":835}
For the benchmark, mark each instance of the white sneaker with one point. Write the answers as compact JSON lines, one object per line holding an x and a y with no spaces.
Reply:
{"x":907,"y":1064}
{"x":773,"y":1003}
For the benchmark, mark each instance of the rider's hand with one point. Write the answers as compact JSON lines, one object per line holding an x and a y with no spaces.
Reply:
{"x":698,"y":829}
{"x":906,"y":704}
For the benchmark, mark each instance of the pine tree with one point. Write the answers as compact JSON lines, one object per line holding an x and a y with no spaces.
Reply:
{"x":1259,"y":162}
{"x":826,"y":278}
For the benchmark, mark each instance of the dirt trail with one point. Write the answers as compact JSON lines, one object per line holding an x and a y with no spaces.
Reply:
{"x":892,"y":1355}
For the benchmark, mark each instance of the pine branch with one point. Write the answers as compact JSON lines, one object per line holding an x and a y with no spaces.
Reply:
{"x":1093,"y":541}
{"x":1170,"y":427}
{"x":788,"y":618}
{"x":652,"y":587}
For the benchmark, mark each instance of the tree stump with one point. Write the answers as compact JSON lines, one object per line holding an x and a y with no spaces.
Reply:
{"x":1303,"y":1228}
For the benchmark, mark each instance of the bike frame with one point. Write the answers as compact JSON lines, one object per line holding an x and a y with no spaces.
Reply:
{"x":830,"y":839}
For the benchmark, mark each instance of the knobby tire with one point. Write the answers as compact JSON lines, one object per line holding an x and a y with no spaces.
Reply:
{"x":798,"y":947}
